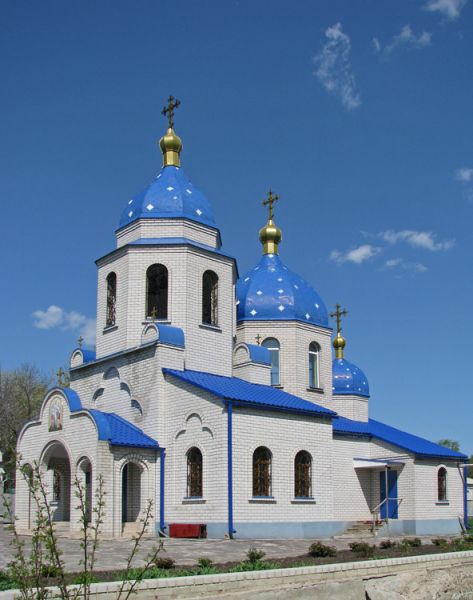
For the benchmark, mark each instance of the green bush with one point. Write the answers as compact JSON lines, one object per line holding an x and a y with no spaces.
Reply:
{"x":254,"y":555}
{"x":164,"y":562}
{"x":386,"y":544}
{"x":363,"y":549}
{"x":321,"y":550}
{"x":5,"y":582}
{"x":83,"y":579}
{"x":50,"y":571}
{"x":411,"y":542}
{"x":204,"y":563}
{"x":258,"y":565}
{"x":441,"y":542}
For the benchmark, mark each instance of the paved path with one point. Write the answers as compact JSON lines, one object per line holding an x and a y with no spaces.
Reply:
{"x":113,"y":553}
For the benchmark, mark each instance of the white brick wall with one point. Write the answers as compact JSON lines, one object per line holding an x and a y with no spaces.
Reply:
{"x":167,"y":228}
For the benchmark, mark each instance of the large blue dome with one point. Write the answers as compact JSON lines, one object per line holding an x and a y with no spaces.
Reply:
{"x":271,"y":292}
{"x":170,"y":195}
{"x":348,"y":379}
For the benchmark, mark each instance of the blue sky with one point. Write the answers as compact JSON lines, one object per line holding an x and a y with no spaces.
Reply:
{"x":358,"y":114}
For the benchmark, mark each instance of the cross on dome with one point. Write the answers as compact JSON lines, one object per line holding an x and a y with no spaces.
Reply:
{"x":168,"y":110}
{"x":339,"y":342}
{"x":270,"y":235}
{"x":269,"y":202}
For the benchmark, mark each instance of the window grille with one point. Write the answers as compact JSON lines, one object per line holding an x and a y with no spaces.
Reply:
{"x":194,"y":473}
{"x":111,"y":299}
{"x":261,"y":472}
{"x":210,"y":298}
{"x":442,"y":484}
{"x":303,"y":475}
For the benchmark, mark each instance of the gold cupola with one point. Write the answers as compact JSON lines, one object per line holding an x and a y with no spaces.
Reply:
{"x":270,"y":235}
{"x":171,"y":143}
{"x":339,"y":342}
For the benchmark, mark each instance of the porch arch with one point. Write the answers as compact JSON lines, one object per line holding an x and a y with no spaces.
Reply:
{"x":132,"y":483}
{"x":56,"y":466}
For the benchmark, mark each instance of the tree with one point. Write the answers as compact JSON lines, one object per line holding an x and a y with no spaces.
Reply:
{"x":21,"y":394}
{"x":452,"y":444}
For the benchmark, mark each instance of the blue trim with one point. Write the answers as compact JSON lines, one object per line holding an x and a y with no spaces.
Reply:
{"x":71,"y":396}
{"x":231,"y":530}
{"x":162,"y":458}
{"x":119,"y":432}
{"x":178,"y":241}
{"x":465,"y":496}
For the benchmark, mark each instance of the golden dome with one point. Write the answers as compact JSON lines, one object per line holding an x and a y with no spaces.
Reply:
{"x":270,"y":236}
{"x":339,"y":344}
{"x":171,"y":146}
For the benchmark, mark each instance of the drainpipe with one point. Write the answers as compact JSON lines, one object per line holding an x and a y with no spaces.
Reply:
{"x":231,"y":531}
{"x":162,"y":458}
{"x":465,"y":495}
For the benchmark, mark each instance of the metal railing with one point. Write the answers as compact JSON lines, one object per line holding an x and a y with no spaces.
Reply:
{"x":375,"y":513}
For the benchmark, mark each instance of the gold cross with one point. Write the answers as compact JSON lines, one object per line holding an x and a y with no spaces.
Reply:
{"x":270,"y":202}
{"x":60,"y":374}
{"x":338,"y":314}
{"x":154,"y":313}
{"x":168,"y":110}
{"x":80,"y":341}
{"x":258,"y":339}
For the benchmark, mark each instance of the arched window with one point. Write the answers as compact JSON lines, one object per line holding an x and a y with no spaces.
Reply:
{"x":111,"y":299}
{"x":157,"y":292}
{"x":262,"y":472}
{"x":272,"y":345}
{"x":303,"y":475}
{"x":314,"y":372}
{"x":194,"y":473}
{"x":210,"y":298}
{"x":442,"y":484}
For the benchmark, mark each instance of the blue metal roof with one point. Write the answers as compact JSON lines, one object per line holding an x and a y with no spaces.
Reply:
{"x":170,"y":195}
{"x":259,"y":354}
{"x":174,"y":336}
{"x":271,"y":292}
{"x":348,"y":379}
{"x":88,"y":355}
{"x":412,"y":443}
{"x":249,"y":394}
{"x":120,"y":432}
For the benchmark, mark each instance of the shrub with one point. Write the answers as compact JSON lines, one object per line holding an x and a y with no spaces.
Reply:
{"x":163,"y":562}
{"x":254,"y":555}
{"x":362,"y":548}
{"x":258,"y":565}
{"x":84,"y":578}
{"x":204,"y":563}
{"x":386,"y":544}
{"x":50,"y":571}
{"x":5,"y":582}
{"x":411,"y":542}
{"x":319,"y":549}
{"x":441,"y":542}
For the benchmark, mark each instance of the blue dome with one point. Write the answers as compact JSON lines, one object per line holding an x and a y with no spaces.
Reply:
{"x":271,"y":292}
{"x":348,"y":379}
{"x":170,"y":195}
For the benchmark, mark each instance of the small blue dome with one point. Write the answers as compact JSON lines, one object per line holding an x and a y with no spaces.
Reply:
{"x":271,"y":292}
{"x":170,"y":195}
{"x":348,"y":379}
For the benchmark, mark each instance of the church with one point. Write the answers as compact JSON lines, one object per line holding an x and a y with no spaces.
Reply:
{"x":216,"y":396}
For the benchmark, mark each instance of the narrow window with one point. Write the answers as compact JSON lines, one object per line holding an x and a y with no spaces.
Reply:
{"x":194,"y":473}
{"x":303,"y":475}
{"x":442,"y":484}
{"x":111,"y":299}
{"x":157,"y":292}
{"x":261,"y":472}
{"x":314,"y":379}
{"x":56,"y":486}
{"x":210,"y":298}
{"x":272,"y":345}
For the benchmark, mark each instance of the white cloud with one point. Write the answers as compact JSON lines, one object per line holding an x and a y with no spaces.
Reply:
{"x":393,"y":262}
{"x":405,"y":38}
{"x":334,"y":70}
{"x":465,"y":174}
{"x":356,"y":255}
{"x":417,"y":239}
{"x":56,"y":317}
{"x":52,"y":317}
{"x":449,"y":8}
